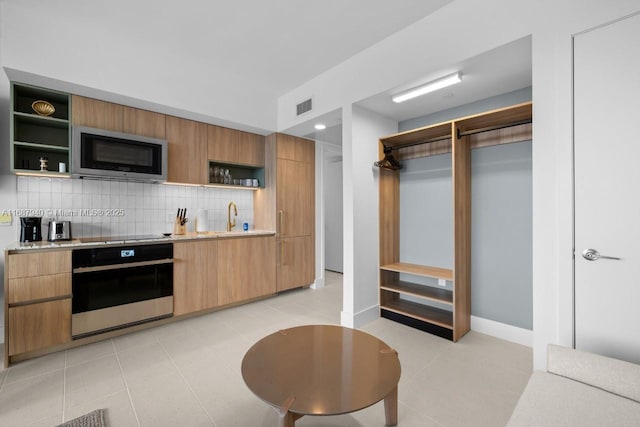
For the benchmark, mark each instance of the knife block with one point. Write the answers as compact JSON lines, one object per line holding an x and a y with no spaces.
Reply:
{"x":179,"y":229}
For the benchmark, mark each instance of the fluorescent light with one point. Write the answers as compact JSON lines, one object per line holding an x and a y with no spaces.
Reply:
{"x":429,"y":87}
{"x":320,"y":126}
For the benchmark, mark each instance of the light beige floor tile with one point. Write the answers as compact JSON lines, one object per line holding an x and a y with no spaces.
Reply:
{"x":35,"y":367}
{"x":46,"y":422}
{"x":243,"y":411}
{"x":92,"y":380}
{"x":188,"y":372}
{"x":478,"y":401}
{"x":32,"y":399}
{"x":137,"y":339}
{"x":167,"y":401}
{"x":407,"y":417}
{"x":118,"y":410}
{"x":89,"y":352}
{"x":139,"y":364}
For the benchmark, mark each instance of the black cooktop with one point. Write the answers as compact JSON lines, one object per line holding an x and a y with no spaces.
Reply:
{"x":121,"y":238}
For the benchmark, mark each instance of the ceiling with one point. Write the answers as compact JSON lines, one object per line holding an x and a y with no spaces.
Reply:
{"x":278,"y":44}
{"x":275,"y":46}
{"x":501,"y":70}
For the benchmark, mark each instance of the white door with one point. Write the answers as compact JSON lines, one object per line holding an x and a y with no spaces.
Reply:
{"x":607,"y":189}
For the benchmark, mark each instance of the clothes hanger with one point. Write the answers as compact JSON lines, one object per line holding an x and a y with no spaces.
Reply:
{"x":388,"y":162}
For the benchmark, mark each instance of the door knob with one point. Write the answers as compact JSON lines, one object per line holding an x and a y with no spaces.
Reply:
{"x":593,"y":255}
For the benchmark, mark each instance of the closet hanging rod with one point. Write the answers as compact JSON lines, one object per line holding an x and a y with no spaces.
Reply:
{"x":413,"y":144}
{"x":490,"y":128}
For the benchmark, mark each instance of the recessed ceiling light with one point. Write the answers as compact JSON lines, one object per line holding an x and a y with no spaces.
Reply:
{"x":320,"y":126}
{"x":428,"y":87}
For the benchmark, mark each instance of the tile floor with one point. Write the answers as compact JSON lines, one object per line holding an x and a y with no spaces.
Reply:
{"x":188,"y":373}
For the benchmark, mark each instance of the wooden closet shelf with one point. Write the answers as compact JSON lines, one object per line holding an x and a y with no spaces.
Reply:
{"x":419,"y":270}
{"x":432,"y":293}
{"x":425,"y":313}
{"x":418,"y":136}
{"x":501,"y":116}
{"x":520,"y":113}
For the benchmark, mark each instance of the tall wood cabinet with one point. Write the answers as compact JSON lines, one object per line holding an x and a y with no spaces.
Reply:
{"x":442,"y":311}
{"x":288,"y":205}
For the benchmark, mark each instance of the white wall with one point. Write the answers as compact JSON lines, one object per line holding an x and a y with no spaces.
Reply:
{"x":460,"y":30}
{"x":333,"y":224}
{"x":361,"y":130}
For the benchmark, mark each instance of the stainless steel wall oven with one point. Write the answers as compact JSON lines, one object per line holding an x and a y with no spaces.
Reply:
{"x":119,"y":286}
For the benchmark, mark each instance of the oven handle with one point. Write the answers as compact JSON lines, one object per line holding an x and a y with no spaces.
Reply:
{"x":123,"y":265}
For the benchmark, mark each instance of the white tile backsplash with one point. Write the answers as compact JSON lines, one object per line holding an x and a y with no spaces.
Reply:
{"x":102,"y":207}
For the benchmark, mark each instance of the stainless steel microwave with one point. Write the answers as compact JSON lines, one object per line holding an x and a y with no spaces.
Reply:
{"x":98,"y":153}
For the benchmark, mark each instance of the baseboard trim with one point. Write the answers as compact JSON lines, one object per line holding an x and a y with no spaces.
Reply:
{"x":361,"y":318}
{"x":503,"y":331}
{"x":318,"y":284}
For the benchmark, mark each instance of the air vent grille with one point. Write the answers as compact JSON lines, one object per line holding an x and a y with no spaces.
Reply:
{"x":304,"y":106}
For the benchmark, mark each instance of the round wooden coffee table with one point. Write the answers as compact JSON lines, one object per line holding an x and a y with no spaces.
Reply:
{"x":322,"y":370}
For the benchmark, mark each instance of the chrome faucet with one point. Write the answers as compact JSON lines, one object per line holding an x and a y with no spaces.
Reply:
{"x":230,"y":224}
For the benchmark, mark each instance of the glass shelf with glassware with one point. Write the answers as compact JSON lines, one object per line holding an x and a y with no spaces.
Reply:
{"x":225,"y":174}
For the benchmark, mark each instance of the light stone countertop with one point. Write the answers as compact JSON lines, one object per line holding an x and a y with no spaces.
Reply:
{"x":76,"y":243}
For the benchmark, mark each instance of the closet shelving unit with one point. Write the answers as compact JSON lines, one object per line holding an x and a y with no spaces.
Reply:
{"x":441,"y":311}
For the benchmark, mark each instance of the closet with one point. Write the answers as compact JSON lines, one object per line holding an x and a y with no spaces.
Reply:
{"x":441,"y":310}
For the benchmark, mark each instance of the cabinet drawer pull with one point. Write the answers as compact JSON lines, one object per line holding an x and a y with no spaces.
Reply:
{"x":280,"y":215}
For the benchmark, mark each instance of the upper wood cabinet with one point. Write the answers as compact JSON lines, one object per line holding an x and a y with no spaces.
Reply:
{"x":251,"y":149}
{"x":187,"y":151}
{"x":235,"y":147}
{"x":194,"y":276}
{"x":96,"y":114}
{"x":294,"y":148}
{"x":144,"y":123}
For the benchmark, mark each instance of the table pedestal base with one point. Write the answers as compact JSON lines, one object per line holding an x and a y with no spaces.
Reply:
{"x":288,"y":419}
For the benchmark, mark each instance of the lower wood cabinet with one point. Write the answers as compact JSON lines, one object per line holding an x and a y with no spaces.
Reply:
{"x":246,"y":268}
{"x":295,"y":262}
{"x":40,"y":325}
{"x":195,"y":285}
{"x":217,"y":272}
{"x":37,"y":301}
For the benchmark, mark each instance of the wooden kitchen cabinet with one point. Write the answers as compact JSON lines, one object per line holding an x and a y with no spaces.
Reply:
{"x":37,"y":301}
{"x":287,"y":204}
{"x":296,"y":262}
{"x":294,"y":148}
{"x":144,"y":123}
{"x":187,"y":151}
{"x":246,"y":268}
{"x":295,"y":198}
{"x":251,"y":149}
{"x":37,"y":326}
{"x":195,"y":284}
{"x":97,"y":114}
{"x":222,"y":144}
{"x":235,"y":147}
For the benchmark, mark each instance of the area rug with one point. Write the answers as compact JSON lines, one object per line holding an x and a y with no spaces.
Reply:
{"x":92,"y":419}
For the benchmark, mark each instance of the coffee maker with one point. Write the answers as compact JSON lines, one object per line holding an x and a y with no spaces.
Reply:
{"x":30,"y":229}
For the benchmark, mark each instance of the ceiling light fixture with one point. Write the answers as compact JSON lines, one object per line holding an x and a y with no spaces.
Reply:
{"x":320,"y":126}
{"x":428,"y":87}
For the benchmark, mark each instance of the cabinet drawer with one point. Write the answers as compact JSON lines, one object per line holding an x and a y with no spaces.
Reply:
{"x":36,"y":326}
{"x":39,"y":264}
{"x":39,"y":287}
